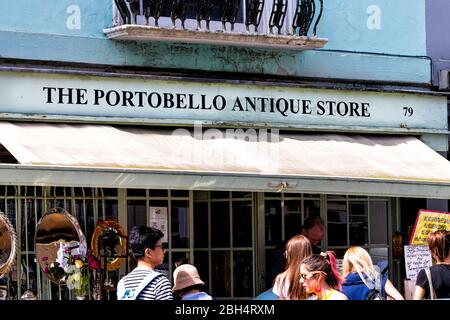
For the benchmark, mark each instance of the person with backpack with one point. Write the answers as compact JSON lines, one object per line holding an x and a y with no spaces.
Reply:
{"x":362,"y":281}
{"x":144,"y":283}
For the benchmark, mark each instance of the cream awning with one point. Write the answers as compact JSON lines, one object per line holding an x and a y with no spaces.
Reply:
{"x":116,"y":156}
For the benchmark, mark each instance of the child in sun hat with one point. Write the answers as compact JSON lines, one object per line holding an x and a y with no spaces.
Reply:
{"x":187,"y":284}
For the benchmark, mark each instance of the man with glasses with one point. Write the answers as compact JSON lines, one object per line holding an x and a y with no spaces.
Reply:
{"x":144,"y":283}
{"x":314,"y":229}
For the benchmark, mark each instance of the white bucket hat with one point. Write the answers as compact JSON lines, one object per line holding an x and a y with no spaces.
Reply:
{"x":185,"y":276}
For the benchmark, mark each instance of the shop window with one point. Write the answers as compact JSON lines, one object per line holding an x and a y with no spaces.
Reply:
{"x":243,"y":273}
{"x":220,"y":224}
{"x":221,"y":273}
{"x":136,"y":214}
{"x":358,"y":223}
{"x":34,"y":202}
{"x":337,"y":223}
{"x":219,"y":194}
{"x":225,"y":259}
{"x":201,"y":224}
{"x":379,"y":222}
{"x":136,"y":192}
{"x":179,"y":193}
{"x":241,"y":195}
{"x":292,"y":218}
{"x":180,"y":224}
{"x":273,"y":222}
{"x":202,"y":265}
{"x":242,"y":224}
{"x":158,"y":193}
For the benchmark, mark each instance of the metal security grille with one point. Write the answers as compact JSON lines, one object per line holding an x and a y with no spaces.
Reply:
{"x":25,"y":205}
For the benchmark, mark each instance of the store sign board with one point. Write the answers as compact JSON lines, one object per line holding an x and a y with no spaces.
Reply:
{"x":416,"y":259}
{"x":428,"y":221}
{"x":225,"y":103}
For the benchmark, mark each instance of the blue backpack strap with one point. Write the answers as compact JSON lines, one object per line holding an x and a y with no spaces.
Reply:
{"x":123,"y":294}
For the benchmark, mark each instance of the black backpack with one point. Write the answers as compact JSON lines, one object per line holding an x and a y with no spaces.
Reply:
{"x":375,"y":295}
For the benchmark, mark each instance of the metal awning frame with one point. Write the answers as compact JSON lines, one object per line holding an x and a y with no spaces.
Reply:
{"x":35,"y":175}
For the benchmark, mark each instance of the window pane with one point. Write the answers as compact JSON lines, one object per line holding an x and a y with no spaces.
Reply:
{"x":272,"y":195}
{"x":292,"y":218}
{"x":220,"y":194}
{"x":337,"y":223}
{"x":200,"y":195}
{"x":273,"y":222}
{"x":243,"y":273}
{"x":247,"y":195}
{"x":109,"y":192}
{"x":136,"y":214}
{"x":358,"y":227}
{"x":201,"y":224}
{"x":136,"y":192}
{"x":179,"y":193}
{"x":379,"y":222}
{"x":110,"y":211}
{"x":158,"y":193}
{"x":242,"y":224}
{"x":220,"y":224}
{"x":220,"y":274}
{"x":180,"y":224}
{"x":312,"y":208}
{"x":202,"y":265}
{"x":179,"y":258}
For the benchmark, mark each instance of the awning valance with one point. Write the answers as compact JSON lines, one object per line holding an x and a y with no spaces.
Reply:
{"x":121,"y":156}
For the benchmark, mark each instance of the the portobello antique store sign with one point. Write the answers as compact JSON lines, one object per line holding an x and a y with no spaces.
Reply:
{"x":26,"y":94}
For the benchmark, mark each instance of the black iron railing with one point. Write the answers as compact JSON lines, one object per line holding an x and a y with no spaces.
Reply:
{"x":307,"y":13}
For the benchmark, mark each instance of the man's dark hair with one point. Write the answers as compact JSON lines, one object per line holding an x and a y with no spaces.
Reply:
{"x":143,"y":237}
{"x":312,"y":221}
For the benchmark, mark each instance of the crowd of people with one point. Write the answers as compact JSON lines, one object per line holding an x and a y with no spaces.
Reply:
{"x":307,"y":273}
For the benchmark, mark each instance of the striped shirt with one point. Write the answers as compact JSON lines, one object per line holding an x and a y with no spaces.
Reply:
{"x":158,"y":289}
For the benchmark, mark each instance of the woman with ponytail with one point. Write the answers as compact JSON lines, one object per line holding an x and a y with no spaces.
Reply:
{"x":319,"y":276}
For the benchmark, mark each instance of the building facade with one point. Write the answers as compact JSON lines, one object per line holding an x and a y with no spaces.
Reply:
{"x":236,"y":136}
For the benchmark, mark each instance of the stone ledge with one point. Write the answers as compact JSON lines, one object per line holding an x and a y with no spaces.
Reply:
{"x":150,"y":33}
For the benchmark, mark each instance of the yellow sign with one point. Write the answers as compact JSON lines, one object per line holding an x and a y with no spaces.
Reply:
{"x":428,"y":221}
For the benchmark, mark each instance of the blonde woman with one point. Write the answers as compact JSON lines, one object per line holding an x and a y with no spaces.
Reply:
{"x":287,"y":284}
{"x":361,"y":276}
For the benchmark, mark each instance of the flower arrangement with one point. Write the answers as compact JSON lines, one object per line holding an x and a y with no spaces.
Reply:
{"x":54,"y":271}
{"x":73,"y":267}
{"x":78,"y":271}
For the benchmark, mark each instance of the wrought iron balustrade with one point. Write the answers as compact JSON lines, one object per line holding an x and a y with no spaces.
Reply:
{"x":279,"y":17}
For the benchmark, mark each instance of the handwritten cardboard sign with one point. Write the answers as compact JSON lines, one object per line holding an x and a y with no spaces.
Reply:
{"x":416,"y":259}
{"x":428,"y":221}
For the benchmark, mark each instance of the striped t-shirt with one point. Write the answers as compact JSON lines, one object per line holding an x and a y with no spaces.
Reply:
{"x":158,"y":289}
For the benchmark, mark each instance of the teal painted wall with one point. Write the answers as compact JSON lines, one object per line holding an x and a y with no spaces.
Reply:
{"x":353,"y":25}
{"x":37,"y":29}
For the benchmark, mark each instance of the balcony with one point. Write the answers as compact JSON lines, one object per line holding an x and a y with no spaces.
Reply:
{"x":250,"y":23}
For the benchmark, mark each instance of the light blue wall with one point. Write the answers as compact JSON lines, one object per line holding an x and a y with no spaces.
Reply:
{"x":36,"y":29}
{"x":402,"y":26}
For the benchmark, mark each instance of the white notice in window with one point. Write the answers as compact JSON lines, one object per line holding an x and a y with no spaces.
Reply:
{"x":158,"y":219}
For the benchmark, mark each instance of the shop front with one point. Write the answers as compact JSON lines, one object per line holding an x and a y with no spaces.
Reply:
{"x":228,"y":168}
